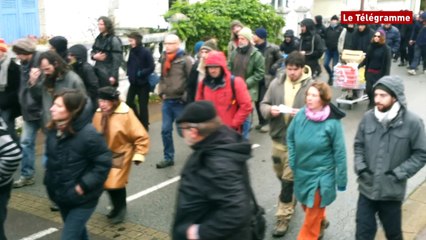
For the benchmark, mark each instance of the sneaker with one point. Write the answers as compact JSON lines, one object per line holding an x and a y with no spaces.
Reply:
{"x":280,"y":228}
{"x":324,"y":225}
{"x":164,"y":164}
{"x":23,"y":181}
{"x":258,"y":127}
{"x":402,"y":64}
{"x":412,"y":72}
{"x":264,"y":128}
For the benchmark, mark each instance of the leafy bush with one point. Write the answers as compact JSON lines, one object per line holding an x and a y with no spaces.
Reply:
{"x":211,"y":19}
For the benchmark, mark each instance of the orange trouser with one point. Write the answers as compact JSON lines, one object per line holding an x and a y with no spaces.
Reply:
{"x":313,"y":217}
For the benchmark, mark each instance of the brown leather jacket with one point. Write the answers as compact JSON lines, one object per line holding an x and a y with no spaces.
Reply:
{"x":128,"y":141}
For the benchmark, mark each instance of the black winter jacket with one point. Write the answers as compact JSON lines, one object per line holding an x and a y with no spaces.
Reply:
{"x":81,"y":158}
{"x":213,"y":189}
{"x":332,"y":37}
{"x":86,"y":72}
{"x":139,"y":66}
{"x":31,"y":107}
{"x":9,"y":97}
{"x":378,"y":57}
{"x":110,"y":45}
{"x":192,"y":83}
{"x":311,"y":42}
{"x":361,"y":40}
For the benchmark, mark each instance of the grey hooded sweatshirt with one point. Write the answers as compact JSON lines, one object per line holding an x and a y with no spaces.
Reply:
{"x":386,"y":156}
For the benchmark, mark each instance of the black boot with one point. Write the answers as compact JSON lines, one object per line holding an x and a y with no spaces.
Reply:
{"x":118,"y":200}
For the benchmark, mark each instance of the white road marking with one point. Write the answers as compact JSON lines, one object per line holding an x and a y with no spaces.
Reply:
{"x":152,"y":189}
{"x":40,"y":234}
{"x":255,"y":145}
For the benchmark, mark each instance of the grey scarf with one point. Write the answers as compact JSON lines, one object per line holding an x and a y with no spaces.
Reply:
{"x":4,"y":66}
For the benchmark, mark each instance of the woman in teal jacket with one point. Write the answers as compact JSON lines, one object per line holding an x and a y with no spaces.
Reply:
{"x":317,"y":156}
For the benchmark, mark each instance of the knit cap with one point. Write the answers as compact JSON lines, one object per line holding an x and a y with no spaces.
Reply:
{"x":382,"y":33}
{"x":197,"y":112}
{"x":24,"y":46}
{"x":197,"y":46}
{"x":210,"y":45}
{"x":247,"y":33}
{"x":59,"y":43}
{"x":261,"y":33}
{"x":289,"y":33}
{"x":3,"y":45}
{"x":236,"y":23}
{"x":108,"y":93}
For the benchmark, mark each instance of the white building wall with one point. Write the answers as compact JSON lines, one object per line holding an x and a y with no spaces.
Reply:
{"x":77,"y":20}
{"x":141,"y":14}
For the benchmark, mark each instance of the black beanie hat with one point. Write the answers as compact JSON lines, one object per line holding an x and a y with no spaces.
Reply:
{"x":385,"y":88}
{"x":108,"y":93}
{"x":59,"y":43}
{"x":197,"y":112}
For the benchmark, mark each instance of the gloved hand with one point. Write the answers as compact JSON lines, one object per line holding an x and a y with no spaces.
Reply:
{"x":341,"y":188}
{"x":366,"y":176}
{"x":139,"y":73}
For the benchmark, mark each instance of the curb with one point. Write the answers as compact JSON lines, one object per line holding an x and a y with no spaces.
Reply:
{"x":97,"y":224}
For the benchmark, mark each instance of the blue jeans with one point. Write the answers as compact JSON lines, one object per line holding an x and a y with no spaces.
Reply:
{"x":28,"y":138}
{"x":172,"y":108}
{"x":330,"y":55}
{"x":246,"y":127}
{"x":75,"y":220}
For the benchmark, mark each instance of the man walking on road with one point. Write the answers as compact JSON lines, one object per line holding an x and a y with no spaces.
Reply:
{"x":272,"y":56}
{"x":247,"y":62}
{"x":31,"y":108}
{"x":289,"y":89}
{"x":390,"y":147}
{"x":213,"y":198}
{"x":175,"y":69}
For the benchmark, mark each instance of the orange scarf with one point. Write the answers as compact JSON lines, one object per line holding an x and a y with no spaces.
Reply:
{"x":168,"y":62}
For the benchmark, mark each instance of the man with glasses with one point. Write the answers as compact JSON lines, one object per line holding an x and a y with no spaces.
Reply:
{"x":175,"y":69}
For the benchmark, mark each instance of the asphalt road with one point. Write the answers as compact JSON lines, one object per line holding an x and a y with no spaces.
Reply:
{"x":155,"y":206}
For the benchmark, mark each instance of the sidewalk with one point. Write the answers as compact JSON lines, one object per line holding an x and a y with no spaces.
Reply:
{"x":413,"y":216}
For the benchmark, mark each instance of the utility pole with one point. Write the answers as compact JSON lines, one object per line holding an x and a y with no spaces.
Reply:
{"x":362,"y":5}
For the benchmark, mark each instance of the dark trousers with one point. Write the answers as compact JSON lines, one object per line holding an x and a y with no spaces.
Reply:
{"x":262,"y":91}
{"x":410,"y":55}
{"x":389,"y":213}
{"x":75,"y":220}
{"x":403,"y":51}
{"x":4,"y":200}
{"x":118,"y":199}
{"x":371,"y":79}
{"x":143,"y":99}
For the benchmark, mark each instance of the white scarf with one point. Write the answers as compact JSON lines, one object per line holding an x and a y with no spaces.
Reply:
{"x":386,"y":117}
{"x":4,"y":62}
